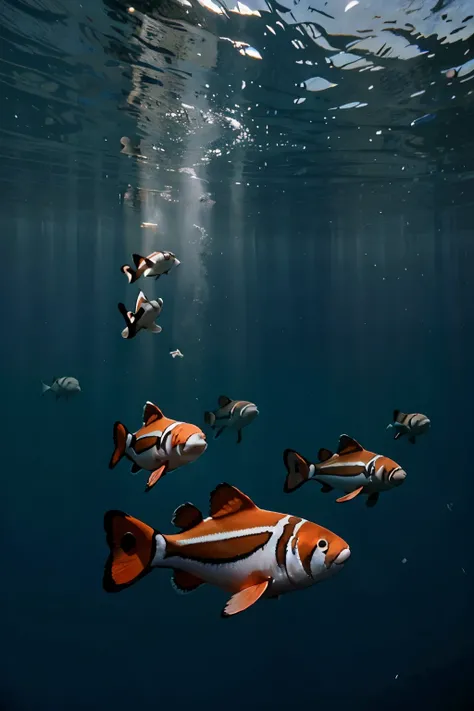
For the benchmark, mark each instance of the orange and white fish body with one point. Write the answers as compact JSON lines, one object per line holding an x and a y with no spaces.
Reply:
{"x":240,"y":548}
{"x":154,"y":265}
{"x":160,"y":446}
{"x":351,"y":469}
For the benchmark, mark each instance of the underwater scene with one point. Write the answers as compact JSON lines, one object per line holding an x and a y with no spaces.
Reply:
{"x":237,"y":363}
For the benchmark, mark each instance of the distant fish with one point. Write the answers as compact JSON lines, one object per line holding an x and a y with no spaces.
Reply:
{"x":247,"y":551}
{"x":176,"y":354}
{"x":352,"y":469}
{"x":144,"y":317}
{"x":232,"y":414}
{"x":63,"y":387}
{"x":155,"y":265}
{"x":160,"y":446}
{"x":412,"y":425}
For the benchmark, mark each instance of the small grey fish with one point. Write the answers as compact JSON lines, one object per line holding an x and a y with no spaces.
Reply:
{"x":412,"y":425}
{"x":63,"y":387}
{"x":146,"y":311}
{"x":235,"y":414}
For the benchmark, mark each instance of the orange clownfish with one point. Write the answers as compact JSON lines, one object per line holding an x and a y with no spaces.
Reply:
{"x":247,"y":551}
{"x":352,"y":469}
{"x":160,"y":446}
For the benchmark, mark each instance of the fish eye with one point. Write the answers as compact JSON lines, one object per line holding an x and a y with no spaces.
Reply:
{"x":322,"y":543}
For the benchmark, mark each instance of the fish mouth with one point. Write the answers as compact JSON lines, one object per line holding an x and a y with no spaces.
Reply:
{"x":397,"y":477}
{"x":195,"y":446}
{"x":344,"y":555}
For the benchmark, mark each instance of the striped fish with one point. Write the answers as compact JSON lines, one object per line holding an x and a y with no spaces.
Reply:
{"x":160,"y":446}
{"x":247,"y":551}
{"x":62,"y":387}
{"x":155,"y":265}
{"x":231,"y":414}
{"x":143,"y":319}
{"x":352,"y":469}
{"x":412,"y":425}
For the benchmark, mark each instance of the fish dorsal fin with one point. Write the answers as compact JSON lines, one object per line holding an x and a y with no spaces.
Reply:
{"x":186,"y":516}
{"x":226,"y":500}
{"x":151,"y":413}
{"x":223,"y":400}
{"x":347,"y":445}
{"x":141,"y":299}
{"x":137,"y":258}
{"x":324,"y":454}
{"x":398,"y":416}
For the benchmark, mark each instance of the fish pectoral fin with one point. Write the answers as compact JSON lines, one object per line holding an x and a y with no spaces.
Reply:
{"x":155,"y":477}
{"x":326,"y":488}
{"x":412,"y":440}
{"x":150,"y":264}
{"x":184,"y":582}
{"x":135,"y":468}
{"x":244,"y":599}
{"x":372,"y":500}
{"x":350,"y":496}
{"x":239,"y":437}
{"x":219,"y":432}
{"x":154,"y":328}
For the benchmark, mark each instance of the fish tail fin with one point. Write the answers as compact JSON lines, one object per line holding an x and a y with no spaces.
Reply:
{"x":120,"y":442}
{"x":209,"y":418}
{"x":128,"y":331}
{"x":299,"y":470}
{"x":44,"y":388}
{"x":130,"y":273}
{"x":132,"y":546}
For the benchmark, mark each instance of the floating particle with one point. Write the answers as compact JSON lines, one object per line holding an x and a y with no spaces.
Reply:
{"x":131,"y":10}
{"x":148,"y":225}
{"x":176,"y":354}
{"x":350,"y":5}
{"x":396,"y":676}
{"x":463,"y":571}
{"x":449,"y":507}
{"x":404,"y":560}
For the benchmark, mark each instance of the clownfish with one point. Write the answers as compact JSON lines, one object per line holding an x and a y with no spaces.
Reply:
{"x":231,"y":414}
{"x":412,"y":425}
{"x":143,"y":319}
{"x":247,"y":551}
{"x":160,"y":446}
{"x":155,"y":265}
{"x":352,"y":469}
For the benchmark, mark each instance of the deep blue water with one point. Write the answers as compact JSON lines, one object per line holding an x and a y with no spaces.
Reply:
{"x":325,"y":284}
